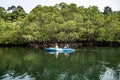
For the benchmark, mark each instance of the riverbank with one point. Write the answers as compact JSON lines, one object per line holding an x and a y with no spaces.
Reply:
{"x":61,"y":44}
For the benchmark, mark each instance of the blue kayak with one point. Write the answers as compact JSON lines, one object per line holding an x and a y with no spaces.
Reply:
{"x":60,"y":50}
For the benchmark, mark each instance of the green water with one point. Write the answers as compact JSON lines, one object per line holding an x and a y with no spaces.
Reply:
{"x":99,"y":63}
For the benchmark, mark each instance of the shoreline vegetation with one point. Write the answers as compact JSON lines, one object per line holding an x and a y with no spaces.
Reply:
{"x":61,"y":23}
{"x":62,"y":44}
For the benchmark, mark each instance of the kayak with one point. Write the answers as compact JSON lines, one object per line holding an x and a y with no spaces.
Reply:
{"x":60,"y":50}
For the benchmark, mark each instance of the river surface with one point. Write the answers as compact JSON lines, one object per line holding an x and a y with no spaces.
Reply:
{"x":96,"y":63}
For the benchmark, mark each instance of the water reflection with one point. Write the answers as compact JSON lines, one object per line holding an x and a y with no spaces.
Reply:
{"x":57,"y":53}
{"x":83,"y":64}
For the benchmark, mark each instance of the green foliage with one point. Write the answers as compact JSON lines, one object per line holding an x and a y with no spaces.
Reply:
{"x":59,"y":23}
{"x":15,"y":13}
{"x":2,"y":13}
{"x":107,"y":10}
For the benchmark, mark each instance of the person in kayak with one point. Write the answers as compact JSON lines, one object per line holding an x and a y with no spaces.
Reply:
{"x":56,"y":46}
{"x":66,"y":46}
